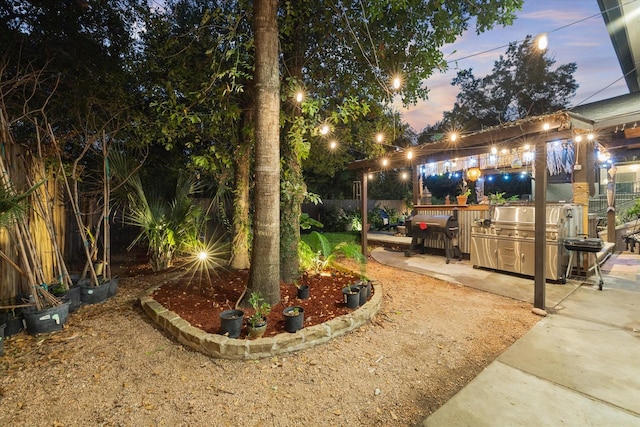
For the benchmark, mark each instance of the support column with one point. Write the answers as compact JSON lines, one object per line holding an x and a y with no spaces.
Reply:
{"x":540,"y":194}
{"x":583,"y":176}
{"x":363,"y":213}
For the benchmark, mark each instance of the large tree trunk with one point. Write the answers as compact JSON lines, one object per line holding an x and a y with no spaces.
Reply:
{"x":241,"y":222}
{"x":264,"y":274}
{"x":294,"y":188}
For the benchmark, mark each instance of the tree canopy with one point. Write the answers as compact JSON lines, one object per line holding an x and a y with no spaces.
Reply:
{"x":522,"y":83}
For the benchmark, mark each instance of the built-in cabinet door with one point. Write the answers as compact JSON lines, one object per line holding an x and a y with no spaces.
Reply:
{"x":509,"y":256}
{"x":484,"y":252}
{"x":528,"y":258}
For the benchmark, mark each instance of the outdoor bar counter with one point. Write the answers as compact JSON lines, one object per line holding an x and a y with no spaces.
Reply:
{"x":467,"y":214}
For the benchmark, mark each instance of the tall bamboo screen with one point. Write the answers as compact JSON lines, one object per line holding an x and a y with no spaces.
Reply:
{"x":51,"y":198}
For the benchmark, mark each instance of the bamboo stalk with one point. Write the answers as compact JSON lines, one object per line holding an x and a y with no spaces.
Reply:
{"x":12,"y":264}
{"x":74,"y":205}
{"x":106,"y":239}
{"x":5,"y":180}
{"x":46,"y":212}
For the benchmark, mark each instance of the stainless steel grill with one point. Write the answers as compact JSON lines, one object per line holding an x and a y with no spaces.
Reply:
{"x":424,"y":228}
{"x":506,"y":242}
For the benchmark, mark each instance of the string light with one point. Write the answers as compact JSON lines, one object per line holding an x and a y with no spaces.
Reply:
{"x":299,"y":97}
{"x":542,"y":41}
{"x":396,"y":83}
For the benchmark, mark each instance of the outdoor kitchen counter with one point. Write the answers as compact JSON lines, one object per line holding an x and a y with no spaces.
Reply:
{"x":467,"y":214}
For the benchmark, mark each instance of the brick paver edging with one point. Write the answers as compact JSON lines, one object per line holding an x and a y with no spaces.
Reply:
{"x":231,"y":348}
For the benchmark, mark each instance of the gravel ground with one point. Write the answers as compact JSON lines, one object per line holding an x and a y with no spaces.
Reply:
{"x":110,"y":366}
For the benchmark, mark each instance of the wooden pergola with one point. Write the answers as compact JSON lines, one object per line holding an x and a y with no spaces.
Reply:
{"x":603,"y":119}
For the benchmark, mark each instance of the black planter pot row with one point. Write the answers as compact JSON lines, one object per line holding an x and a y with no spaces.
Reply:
{"x":231,"y":321}
{"x":357,"y":295}
{"x":53,"y":318}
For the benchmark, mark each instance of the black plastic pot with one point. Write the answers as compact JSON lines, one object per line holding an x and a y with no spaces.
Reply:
{"x":231,"y":323}
{"x":367,"y":286}
{"x":303,"y":292}
{"x":74,"y":296}
{"x":47,"y":320}
{"x":2,"y":326}
{"x":293,"y":318}
{"x":13,"y":322}
{"x":352,"y":296}
{"x":94,"y":294}
{"x":362,"y":294}
{"x":113,"y":286}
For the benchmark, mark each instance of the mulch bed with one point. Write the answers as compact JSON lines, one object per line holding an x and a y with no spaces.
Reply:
{"x":199,"y":298}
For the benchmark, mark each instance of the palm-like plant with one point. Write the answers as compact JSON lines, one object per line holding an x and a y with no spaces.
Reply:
{"x":323,"y":255}
{"x":167,"y":226}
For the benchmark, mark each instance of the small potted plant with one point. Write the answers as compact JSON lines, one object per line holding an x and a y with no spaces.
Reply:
{"x":303,"y":290}
{"x":465,"y":192}
{"x":293,"y":318}
{"x":257,"y":322}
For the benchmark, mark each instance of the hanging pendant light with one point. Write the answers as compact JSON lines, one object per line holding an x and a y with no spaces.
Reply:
{"x":473,"y":174}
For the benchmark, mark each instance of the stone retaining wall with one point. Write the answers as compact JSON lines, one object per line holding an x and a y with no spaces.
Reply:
{"x":224,"y":347}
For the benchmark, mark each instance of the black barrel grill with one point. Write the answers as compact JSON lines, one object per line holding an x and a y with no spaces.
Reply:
{"x":588,"y":245}
{"x":422,"y":228}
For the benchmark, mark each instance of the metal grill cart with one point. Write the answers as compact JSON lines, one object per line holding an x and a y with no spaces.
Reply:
{"x":423,"y":228}
{"x":588,"y":246}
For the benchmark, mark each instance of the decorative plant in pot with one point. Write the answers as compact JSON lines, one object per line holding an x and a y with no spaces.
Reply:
{"x":465,"y":192}
{"x":303,"y":290}
{"x":257,"y":322}
{"x":293,"y":318}
{"x":46,"y":313}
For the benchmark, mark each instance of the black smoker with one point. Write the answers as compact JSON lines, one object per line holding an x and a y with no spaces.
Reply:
{"x":425,"y":228}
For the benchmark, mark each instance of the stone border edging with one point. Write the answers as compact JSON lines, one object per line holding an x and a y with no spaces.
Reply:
{"x":223,"y":347}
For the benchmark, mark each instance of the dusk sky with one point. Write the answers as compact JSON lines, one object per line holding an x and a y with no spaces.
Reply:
{"x":586,"y":43}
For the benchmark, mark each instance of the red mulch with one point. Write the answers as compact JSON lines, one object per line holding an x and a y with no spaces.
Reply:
{"x":201,"y":298}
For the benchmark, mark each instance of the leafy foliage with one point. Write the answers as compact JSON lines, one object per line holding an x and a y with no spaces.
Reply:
{"x":167,"y":225}
{"x":261,"y":307}
{"x":521,"y":84}
{"x":325,"y":254}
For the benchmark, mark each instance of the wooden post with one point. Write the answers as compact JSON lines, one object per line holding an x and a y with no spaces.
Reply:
{"x":363,"y":210}
{"x":540,"y":233}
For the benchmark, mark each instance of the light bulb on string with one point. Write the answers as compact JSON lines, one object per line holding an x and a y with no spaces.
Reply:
{"x":542,"y":41}
{"x":396,"y":83}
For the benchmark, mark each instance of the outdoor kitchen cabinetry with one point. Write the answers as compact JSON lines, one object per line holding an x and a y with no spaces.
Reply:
{"x":516,"y":256}
{"x":506,"y":242}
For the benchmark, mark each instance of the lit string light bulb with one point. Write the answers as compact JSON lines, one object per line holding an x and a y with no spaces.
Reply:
{"x":542,"y":41}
